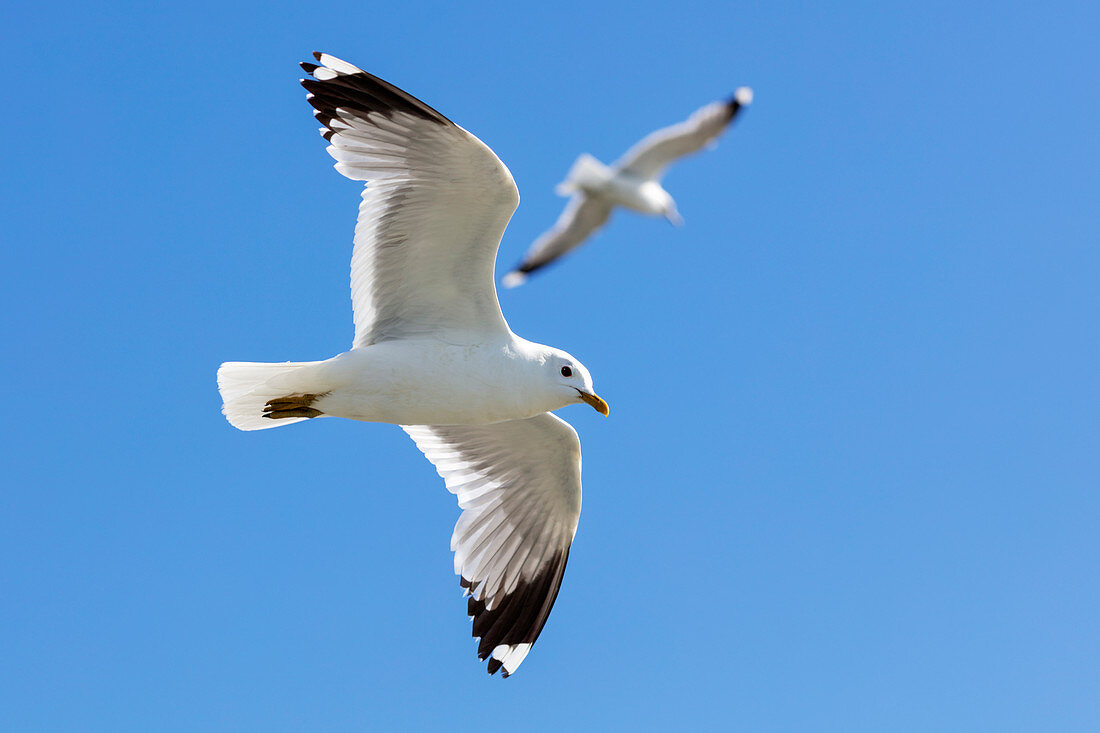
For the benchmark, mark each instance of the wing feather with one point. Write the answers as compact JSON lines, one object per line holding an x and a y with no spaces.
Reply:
{"x":432,"y":215}
{"x":583,"y":215}
{"x":649,"y":158}
{"x":519,"y":485}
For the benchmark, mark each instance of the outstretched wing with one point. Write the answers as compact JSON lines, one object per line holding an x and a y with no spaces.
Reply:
{"x":519,"y":485}
{"x":583,"y":215}
{"x":649,"y":158}
{"x":434,"y":210}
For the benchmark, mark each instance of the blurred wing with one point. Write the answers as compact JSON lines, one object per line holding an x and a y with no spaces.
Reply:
{"x":583,"y":215}
{"x":432,"y":215}
{"x":649,"y":158}
{"x":519,"y":485}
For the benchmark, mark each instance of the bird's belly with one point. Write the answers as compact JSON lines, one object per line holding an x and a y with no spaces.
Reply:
{"x":417,"y":407}
{"x":436,"y":386}
{"x":633,"y":194}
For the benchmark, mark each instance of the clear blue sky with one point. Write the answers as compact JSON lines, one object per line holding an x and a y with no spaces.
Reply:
{"x":850,"y":478}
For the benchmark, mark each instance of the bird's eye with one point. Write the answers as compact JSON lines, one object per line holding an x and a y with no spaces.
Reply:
{"x":566,"y":371}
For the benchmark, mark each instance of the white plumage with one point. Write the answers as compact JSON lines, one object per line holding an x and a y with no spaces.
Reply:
{"x":433,"y":353}
{"x":634,"y":181}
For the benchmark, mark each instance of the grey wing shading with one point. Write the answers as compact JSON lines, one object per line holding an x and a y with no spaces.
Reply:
{"x":649,"y":158}
{"x":518,"y":483}
{"x":583,"y":215}
{"x":432,"y":215}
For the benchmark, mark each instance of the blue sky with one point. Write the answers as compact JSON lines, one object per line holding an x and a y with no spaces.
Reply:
{"x":849,"y":480}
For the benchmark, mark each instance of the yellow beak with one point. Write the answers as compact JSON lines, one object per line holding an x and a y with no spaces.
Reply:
{"x":596,"y":401}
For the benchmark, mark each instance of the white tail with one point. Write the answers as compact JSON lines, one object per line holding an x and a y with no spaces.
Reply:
{"x":586,"y":171}
{"x":247,"y":386}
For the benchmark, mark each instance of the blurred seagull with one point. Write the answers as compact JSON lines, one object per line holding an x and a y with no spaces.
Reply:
{"x":634,"y":181}
{"x":433,"y":354}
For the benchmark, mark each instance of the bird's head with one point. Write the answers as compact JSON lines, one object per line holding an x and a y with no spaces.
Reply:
{"x":571,"y":381}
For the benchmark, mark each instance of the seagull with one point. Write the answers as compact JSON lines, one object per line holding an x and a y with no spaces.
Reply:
{"x":433,"y":353}
{"x":634,"y":181}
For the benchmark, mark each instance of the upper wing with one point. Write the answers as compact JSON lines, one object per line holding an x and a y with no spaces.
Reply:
{"x":649,"y":158}
{"x":583,"y":215}
{"x":432,"y":215}
{"x":519,"y":485}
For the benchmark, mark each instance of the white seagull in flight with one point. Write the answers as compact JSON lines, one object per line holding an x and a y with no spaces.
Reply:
{"x":634,"y":181}
{"x":433,"y":354}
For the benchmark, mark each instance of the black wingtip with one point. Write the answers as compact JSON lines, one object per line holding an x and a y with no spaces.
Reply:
{"x":309,"y":68}
{"x":517,"y":617}
{"x":361,"y":92}
{"x":733,"y":107}
{"x":317,"y":55}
